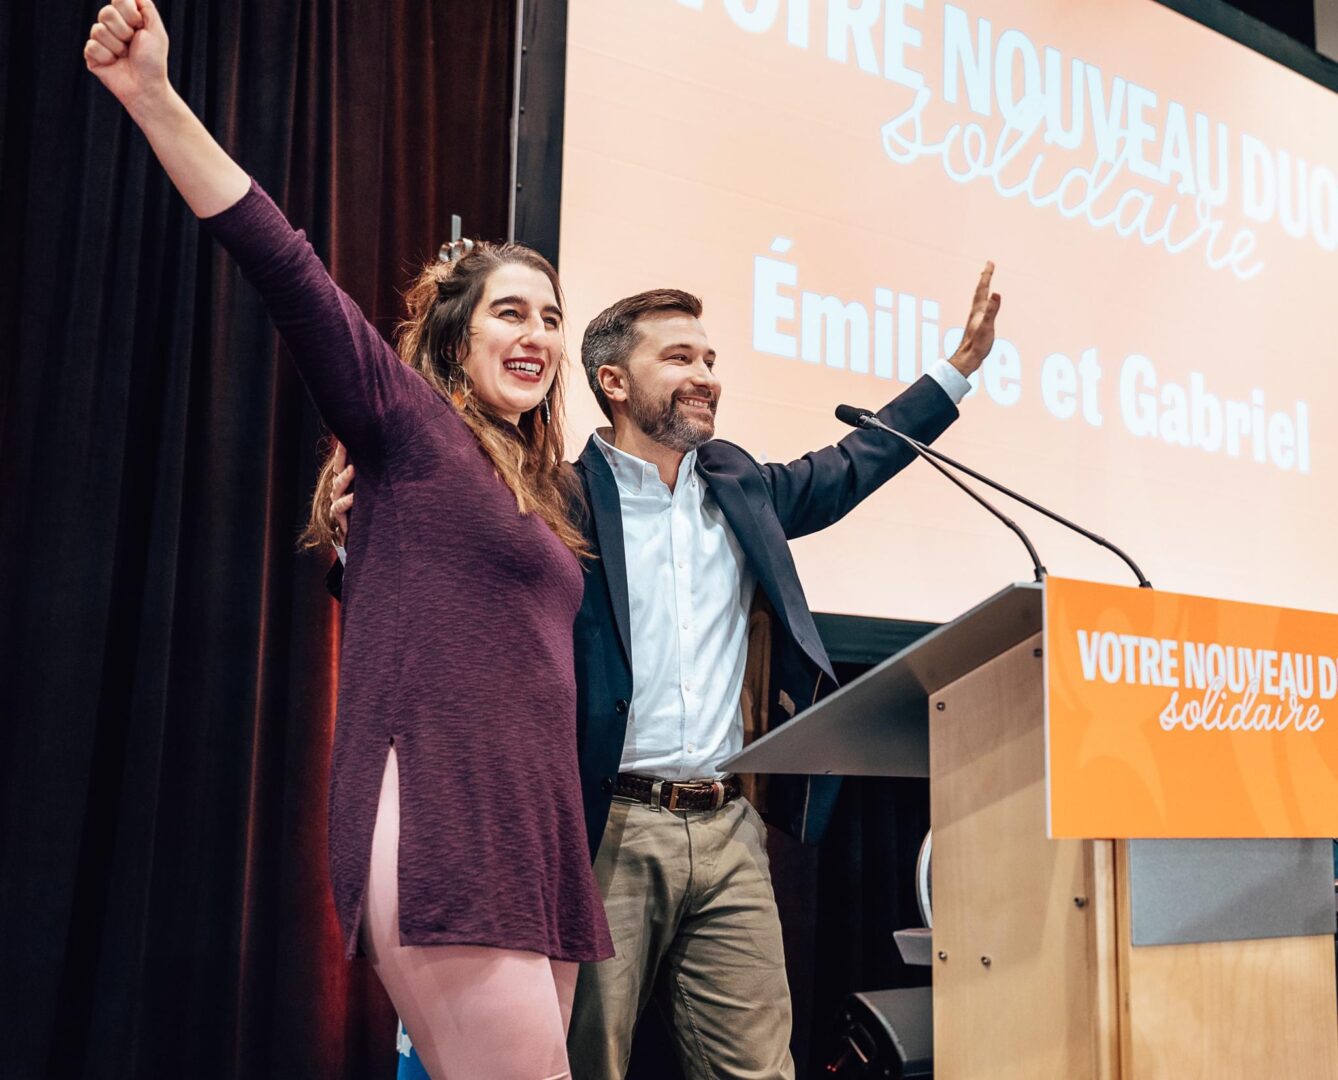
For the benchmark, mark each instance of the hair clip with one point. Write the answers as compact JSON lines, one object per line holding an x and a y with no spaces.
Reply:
{"x":456,"y":247}
{"x":454,"y":250}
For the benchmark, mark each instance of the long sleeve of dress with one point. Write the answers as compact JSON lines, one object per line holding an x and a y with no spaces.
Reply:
{"x":355,"y":377}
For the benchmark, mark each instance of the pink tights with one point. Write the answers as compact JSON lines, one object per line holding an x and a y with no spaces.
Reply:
{"x":471,"y":1011}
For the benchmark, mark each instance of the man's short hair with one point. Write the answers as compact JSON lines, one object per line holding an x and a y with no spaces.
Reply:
{"x":612,"y":334}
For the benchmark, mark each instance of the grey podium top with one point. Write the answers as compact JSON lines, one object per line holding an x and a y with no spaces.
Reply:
{"x":878,"y":725}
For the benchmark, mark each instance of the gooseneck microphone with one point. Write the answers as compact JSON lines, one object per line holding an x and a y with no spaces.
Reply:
{"x":864,"y":418}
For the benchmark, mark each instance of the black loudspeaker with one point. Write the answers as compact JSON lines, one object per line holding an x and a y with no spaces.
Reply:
{"x":886,"y":1033}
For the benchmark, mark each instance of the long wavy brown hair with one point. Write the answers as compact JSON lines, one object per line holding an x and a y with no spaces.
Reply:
{"x":433,"y":339}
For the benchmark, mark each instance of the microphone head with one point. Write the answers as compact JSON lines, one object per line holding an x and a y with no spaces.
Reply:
{"x":848,"y":414}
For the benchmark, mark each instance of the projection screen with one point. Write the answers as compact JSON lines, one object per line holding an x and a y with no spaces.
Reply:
{"x":830,"y":175}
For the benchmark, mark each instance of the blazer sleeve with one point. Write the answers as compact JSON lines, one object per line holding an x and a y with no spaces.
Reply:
{"x":334,"y":580}
{"x":824,"y":485}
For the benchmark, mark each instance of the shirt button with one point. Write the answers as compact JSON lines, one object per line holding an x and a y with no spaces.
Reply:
{"x":620,"y":705}
{"x":692,"y":748}
{"x":684,"y":625}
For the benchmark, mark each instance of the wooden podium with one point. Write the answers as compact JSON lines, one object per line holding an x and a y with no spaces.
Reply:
{"x":1039,"y":966}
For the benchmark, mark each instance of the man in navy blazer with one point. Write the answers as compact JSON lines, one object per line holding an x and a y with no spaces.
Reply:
{"x":692,"y":534}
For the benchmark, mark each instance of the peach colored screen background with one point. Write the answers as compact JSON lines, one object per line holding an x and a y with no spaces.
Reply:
{"x":700,"y":139}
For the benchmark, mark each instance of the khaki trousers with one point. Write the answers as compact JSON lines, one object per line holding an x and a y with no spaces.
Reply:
{"x":694,"y":924}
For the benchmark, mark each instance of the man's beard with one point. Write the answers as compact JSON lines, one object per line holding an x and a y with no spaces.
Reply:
{"x":668,"y":422}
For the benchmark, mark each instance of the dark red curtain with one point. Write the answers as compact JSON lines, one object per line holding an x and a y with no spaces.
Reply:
{"x":167,"y":656}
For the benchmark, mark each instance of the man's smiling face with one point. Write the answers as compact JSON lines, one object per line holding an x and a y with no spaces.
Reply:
{"x":672,"y":389}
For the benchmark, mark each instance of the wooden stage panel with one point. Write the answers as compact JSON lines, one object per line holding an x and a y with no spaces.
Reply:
{"x":1038,"y":909}
{"x":1262,"y":1008}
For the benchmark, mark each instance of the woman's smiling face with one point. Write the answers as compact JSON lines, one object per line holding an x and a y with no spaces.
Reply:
{"x":515,"y":341}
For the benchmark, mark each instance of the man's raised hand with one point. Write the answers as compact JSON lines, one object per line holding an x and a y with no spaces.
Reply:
{"x":978,"y":336}
{"x":127,"y":50}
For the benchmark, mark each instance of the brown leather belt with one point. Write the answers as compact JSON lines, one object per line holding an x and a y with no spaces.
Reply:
{"x":678,"y":794}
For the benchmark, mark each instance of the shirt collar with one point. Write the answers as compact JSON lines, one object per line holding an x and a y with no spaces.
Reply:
{"x":631,"y":472}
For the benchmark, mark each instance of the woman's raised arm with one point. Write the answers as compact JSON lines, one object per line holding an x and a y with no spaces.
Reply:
{"x":127,"y":51}
{"x":355,"y":378}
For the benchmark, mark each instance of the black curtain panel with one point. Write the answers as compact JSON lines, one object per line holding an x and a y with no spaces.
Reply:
{"x":167,"y":654}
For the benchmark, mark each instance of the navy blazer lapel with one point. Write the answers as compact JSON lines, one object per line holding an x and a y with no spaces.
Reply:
{"x":733,"y":502}
{"x":606,"y":512}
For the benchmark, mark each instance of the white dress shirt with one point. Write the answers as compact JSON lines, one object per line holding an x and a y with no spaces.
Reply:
{"x":689,"y":592}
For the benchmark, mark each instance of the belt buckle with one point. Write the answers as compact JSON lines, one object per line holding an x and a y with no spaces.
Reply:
{"x":694,"y":787}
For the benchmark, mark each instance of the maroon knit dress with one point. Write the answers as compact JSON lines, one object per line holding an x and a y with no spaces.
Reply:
{"x":457,"y":643}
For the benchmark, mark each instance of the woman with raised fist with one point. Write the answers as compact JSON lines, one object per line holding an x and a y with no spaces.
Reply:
{"x":457,"y":849}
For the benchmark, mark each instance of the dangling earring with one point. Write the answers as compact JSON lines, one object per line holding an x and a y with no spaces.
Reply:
{"x":457,"y":388}
{"x":547,"y":414}
{"x":452,"y":390}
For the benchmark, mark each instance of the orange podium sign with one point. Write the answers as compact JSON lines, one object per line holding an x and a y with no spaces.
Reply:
{"x":1183,"y":716}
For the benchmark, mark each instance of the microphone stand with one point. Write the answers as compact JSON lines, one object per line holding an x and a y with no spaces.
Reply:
{"x":864,"y":421}
{"x":867,"y":420}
